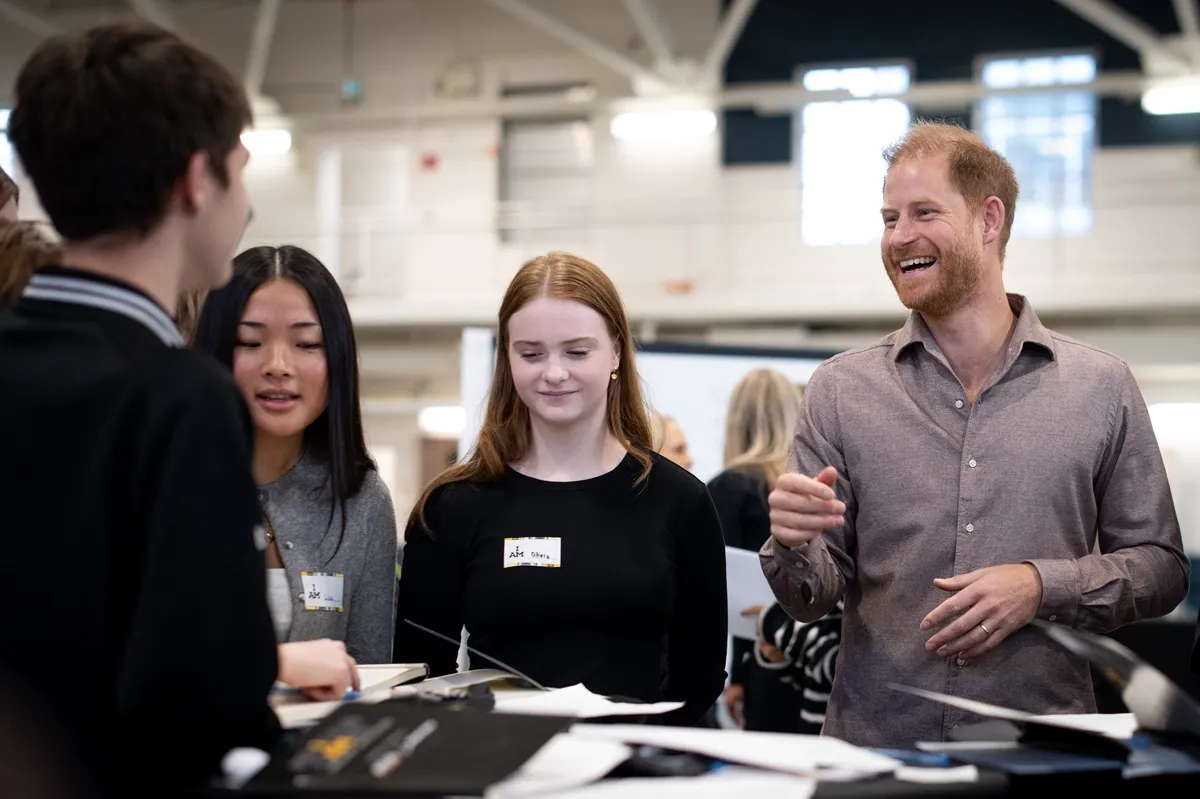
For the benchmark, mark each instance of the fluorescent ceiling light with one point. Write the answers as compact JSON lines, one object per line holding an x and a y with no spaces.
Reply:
{"x":442,"y":421}
{"x":666,"y":124}
{"x":276,"y":141}
{"x":1183,"y":98}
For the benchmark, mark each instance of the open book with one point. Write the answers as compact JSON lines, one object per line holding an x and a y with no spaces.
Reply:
{"x":376,"y":680}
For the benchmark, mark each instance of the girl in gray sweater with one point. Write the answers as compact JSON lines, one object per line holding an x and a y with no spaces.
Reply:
{"x":282,"y":327}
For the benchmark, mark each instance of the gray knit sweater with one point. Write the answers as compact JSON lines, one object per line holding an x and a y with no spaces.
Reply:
{"x":363,"y":570}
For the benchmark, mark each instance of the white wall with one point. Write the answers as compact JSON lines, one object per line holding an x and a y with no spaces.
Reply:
{"x":418,"y":244}
{"x":667,"y":213}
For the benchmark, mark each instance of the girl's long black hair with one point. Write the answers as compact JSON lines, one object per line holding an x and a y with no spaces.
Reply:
{"x":336,"y":436}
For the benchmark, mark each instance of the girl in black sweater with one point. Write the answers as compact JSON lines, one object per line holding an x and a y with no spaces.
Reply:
{"x":567,"y":547}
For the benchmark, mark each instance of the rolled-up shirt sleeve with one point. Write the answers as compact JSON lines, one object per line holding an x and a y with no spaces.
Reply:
{"x":809,"y":580}
{"x":1141,"y":570}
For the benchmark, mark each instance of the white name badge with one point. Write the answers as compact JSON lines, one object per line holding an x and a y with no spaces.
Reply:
{"x":322,"y":591}
{"x":545,"y":552}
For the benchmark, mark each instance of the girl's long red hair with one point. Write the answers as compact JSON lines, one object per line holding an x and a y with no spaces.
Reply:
{"x":505,"y":434}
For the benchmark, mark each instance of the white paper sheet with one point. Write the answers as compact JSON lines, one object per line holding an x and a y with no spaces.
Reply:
{"x":937,"y":776}
{"x":806,"y":755}
{"x":566,"y":761}
{"x":1113,"y":725}
{"x":576,"y":701}
{"x":1121,"y":726}
{"x":722,"y":784}
{"x":747,"y":587}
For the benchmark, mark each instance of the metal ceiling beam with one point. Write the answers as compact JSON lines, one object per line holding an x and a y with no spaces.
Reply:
{"x":1127,"y":29}
{"x":556,"y":28}
{"x":728,"y":33}
{"x":265,"y":19}
{"x":652,"y":29}
{"x":772,"y":98}
{"x":1188,"y":13}
{"x":27,"y":20}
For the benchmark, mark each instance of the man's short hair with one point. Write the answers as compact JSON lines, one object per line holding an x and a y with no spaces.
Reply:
{"x":8,"y":189}
{"x":976,"y":170}
{"x":105,"y":124}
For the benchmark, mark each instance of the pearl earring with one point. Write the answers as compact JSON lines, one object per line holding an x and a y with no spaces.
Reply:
{"x":613,"y":376}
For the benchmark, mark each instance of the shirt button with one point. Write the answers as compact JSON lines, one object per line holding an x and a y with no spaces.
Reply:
{"x":972,"y":463}
{"x":288,"y":545}
{"x":960,"y":662}
{"x":958,"y":403}
{"x":970,"y":528}
{"x":1053,"y":617}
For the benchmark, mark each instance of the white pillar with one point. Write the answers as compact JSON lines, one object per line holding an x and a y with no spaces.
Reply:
{"x":328,"y":186}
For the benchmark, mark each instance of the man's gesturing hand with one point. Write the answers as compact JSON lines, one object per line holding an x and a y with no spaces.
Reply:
{"x":801,"y":507}
{"x":988,"y":606}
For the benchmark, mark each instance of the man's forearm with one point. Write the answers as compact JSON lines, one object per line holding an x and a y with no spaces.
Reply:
{"x":806,"y":580}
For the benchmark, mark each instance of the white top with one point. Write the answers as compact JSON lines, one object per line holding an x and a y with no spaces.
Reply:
{"x":279,"y":598}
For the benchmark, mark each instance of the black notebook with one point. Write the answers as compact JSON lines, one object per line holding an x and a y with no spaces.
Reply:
{"x":403,"y":747}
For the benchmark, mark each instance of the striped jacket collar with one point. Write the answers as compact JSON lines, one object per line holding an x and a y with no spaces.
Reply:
{"x":61,"y":284}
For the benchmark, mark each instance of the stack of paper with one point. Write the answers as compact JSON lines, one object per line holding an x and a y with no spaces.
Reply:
{"x":806,"y":755}
{"x":575,"y":701}
{"x":567,"y":761}
{"x":746,"y":587}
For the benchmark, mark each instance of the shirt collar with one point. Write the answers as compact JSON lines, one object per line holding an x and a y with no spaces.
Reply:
{"x":75,"y":286}
{"x":1029,"y":330}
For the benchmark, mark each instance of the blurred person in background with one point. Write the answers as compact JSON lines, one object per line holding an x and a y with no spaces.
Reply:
{"x":669,"y":440}
{"x":187,"y":313}
{"x":10,"y":197}
{"x":282,"y":327}
{"x":25,"y":247}
{"x":780,"y":682}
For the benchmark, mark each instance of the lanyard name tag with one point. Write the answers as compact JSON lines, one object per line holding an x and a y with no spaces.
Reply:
{"x":544,"y":552}
{"x":322,"y":591}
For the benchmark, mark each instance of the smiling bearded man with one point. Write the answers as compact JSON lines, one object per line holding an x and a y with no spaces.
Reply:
{"x":952,"y":481}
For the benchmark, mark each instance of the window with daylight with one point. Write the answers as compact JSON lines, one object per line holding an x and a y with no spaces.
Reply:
{"x":839,"y":151}
{"x":1049,"y":137}
{"x":6,"y":150}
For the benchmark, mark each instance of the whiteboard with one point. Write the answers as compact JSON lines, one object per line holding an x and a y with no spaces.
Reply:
{"x":690,"y":382}
{"x":693,"y":383}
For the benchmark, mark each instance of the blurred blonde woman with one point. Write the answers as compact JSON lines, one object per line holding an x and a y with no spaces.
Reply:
{"x":25,"y":247}
{"x":778,"y":685}
{"x":669,"y":440}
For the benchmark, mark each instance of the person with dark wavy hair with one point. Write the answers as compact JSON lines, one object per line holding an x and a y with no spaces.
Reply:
{"x":282,"y":327}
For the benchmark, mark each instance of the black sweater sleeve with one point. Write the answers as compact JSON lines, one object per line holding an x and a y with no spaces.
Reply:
{"x":201,"y":654}
{"x":432,"y":585}
{"x":696,"y":641}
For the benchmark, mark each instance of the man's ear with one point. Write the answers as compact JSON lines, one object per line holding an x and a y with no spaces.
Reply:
{"x":196,"y":185}
{"x":994,"y":214}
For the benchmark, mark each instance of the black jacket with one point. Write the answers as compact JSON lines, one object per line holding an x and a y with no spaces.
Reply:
{"x":137,"y":596}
